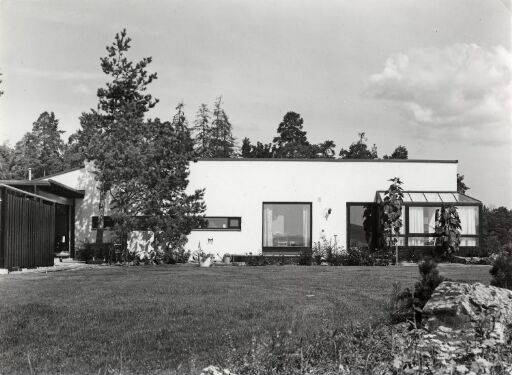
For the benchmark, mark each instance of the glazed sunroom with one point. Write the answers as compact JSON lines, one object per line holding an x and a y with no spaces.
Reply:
{"x":418,"y":218}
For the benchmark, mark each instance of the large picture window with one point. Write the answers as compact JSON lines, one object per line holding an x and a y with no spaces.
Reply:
{"x":286,"y":225}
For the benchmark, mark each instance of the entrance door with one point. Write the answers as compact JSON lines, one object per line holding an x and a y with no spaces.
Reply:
{"x":62,"y":232}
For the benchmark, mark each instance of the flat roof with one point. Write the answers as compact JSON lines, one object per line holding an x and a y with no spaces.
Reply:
{"x":334,"y":160}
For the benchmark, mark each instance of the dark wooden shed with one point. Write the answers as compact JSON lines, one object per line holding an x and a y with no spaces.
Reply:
{"x":27,"y":229}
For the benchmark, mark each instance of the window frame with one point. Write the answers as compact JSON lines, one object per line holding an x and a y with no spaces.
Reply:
{"x":376,"y":223}
{"x":228,"y":229}
{"x":286,"y":249}
{"x":408,"y":234}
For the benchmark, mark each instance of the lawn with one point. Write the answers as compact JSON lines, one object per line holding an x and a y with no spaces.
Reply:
{"x":162,"y":318}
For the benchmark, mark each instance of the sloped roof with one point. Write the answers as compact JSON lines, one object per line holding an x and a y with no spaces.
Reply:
{"x":442,"y":197}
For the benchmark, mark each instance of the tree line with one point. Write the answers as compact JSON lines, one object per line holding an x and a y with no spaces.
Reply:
{"x":44,"y":151}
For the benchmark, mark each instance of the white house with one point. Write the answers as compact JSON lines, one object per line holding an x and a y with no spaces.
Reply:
{"x":281,"y":206}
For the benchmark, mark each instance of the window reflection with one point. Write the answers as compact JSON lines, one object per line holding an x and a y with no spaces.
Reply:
{"x":286,"y":225}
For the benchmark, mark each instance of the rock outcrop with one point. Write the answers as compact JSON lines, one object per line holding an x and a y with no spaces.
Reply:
{"x":476,"y":310}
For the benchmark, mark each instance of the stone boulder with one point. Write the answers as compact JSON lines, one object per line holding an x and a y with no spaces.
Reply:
{"x":473,"y":310}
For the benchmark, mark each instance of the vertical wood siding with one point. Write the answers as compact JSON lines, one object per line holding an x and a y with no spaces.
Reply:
{"x":27,"y":231}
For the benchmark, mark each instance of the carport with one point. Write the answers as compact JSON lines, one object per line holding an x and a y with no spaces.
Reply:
{"x":36,"y":221}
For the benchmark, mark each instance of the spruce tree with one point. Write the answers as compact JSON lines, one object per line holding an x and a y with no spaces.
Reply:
{"x":202,"y":131}
{"x":222,"y":141}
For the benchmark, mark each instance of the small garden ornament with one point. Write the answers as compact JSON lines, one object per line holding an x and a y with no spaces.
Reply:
{"x":205,"y":260}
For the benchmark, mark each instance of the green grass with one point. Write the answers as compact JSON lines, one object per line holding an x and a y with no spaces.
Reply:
{"x":161,"y":318}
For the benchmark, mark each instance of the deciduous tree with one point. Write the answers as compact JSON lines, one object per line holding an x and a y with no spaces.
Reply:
{"x":6,"y":161}
{"x":41,"y":149}
{"x":461,"y":186}
{"x":259,"y":150}
{"x":399,"y":153}
{"x":359,"y":150}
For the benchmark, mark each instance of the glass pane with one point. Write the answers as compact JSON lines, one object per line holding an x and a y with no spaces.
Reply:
{"x":421,"y":241}
{"x":407,"y":198}
{"x":433,"y":197}
{"x":468,"y":216}
{"x":422,"y":219}
{"x":217,"y":222}
{"x":234,"y":223}
{"x":465,"y":199}
{"x":361,"y":225}
{"x":468,"y":241}
{"x":286,"y":225}
{"x":417,"y":197}
{"x":448,"y":197}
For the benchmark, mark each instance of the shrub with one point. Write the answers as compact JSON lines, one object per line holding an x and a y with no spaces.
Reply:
{"x":318,"y":252}
{"x":179,"y":255}
{"x":305,"y":258}
{"x":103,"y":252}
{"x":407,"y":304}
{"x":260,"y":260}
{"x":501,"y":271}
{"x":85,"y":252}
{"x":327,"y":250}
{"x":358,"y":256}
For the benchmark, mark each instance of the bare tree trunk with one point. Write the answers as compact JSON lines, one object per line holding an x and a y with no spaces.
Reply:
{"x":101,"y":214}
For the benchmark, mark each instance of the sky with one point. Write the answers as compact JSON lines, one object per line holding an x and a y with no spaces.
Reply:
{"x":434,"y":76}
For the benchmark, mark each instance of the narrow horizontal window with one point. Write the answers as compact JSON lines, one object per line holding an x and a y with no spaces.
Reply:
{"x":138,"y":223}
{"x":108,"y":222}
{"x":222,"y":223}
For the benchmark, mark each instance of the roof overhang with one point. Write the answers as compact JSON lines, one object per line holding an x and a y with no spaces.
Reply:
{"x":49,"y":186}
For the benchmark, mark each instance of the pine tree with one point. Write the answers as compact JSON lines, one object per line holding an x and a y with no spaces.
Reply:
{"x":290,"y":131}
{"x":114,"y":146}
{"x":171,"y":213}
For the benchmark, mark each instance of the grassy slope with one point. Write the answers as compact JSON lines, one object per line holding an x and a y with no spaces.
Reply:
{"x":150,"y":318}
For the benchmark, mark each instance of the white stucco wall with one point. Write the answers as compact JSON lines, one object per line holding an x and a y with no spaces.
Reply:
{"x":239,"y":188}
{"x":83,"y":179}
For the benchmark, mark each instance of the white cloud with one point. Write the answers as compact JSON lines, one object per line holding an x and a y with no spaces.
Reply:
{"x":461,"y":89}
